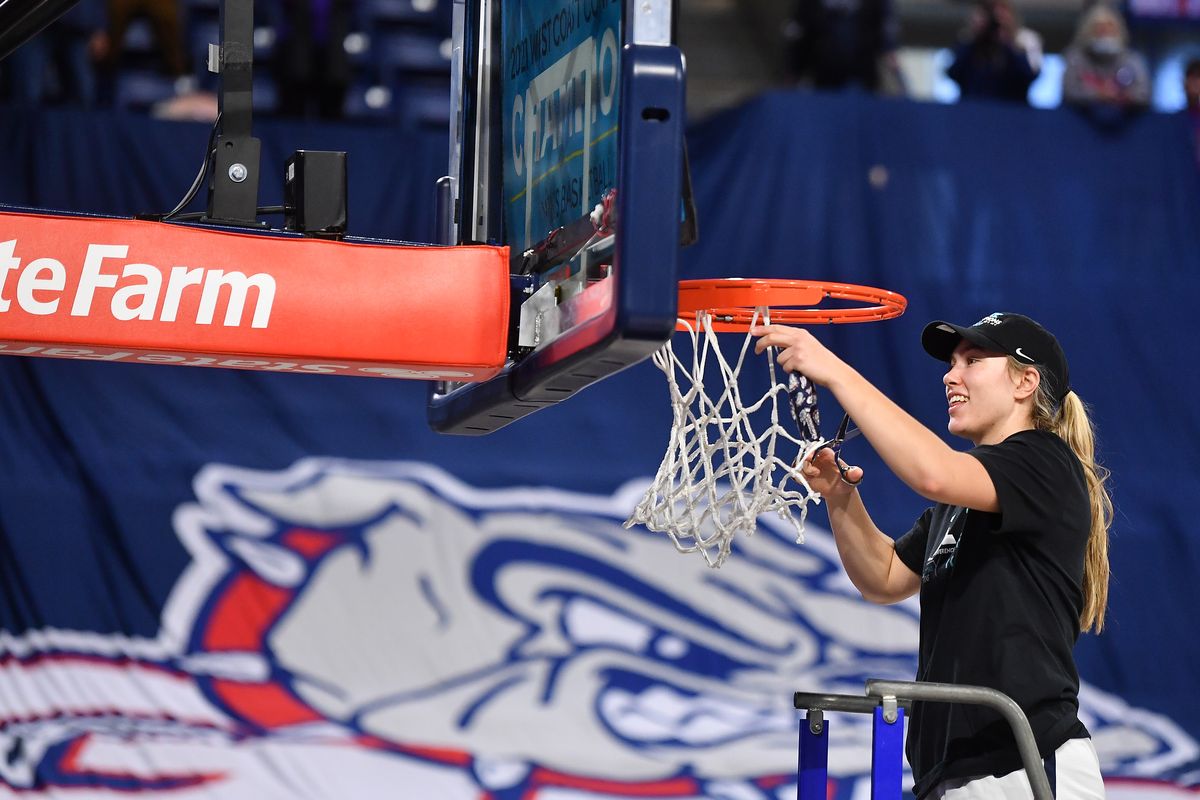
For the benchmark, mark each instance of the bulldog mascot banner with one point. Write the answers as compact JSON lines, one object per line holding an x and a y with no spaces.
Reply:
{"x":366,"y":628}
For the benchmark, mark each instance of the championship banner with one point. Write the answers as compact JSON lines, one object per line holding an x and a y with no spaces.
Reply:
{"x":561,"y":75}
{"x":127,"y":290}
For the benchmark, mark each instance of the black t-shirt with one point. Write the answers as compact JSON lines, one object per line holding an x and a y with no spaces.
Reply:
{"x":1001,"y":596}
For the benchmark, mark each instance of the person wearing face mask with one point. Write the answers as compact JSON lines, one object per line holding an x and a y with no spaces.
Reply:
{"x":1011,"y":560}
{"x":1102,"y":72}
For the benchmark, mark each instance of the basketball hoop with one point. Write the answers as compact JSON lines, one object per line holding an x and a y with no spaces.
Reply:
{"x":732,"y":302}
{"x":719,"y":474}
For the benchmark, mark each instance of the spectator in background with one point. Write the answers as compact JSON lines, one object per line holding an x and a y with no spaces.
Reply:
{"x":999,"y":59}
{"x":838,"y":43}
{"x":1191,"y":85}
{"x":168,"y":33}
{"x":312,"y":70}
{"x":1191,"y":89}
{"x":1102,"y":73}
{"x":59,"y":64}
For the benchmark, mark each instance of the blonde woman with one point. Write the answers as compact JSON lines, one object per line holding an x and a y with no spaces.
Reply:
{"x":1012,"y":560}
{"x":1101,"y":68}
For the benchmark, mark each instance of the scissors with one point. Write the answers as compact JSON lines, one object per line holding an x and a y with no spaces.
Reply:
{"x":802,"y":402}
{"x":835,"y":444}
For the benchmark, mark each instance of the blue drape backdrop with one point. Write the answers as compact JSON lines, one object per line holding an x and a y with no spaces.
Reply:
{"x":965,"y":210}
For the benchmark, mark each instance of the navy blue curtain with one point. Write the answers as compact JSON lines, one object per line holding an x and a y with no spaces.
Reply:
{"x":977,"y":208}
{"x":126,"y":164}
{"x":965,"y":210}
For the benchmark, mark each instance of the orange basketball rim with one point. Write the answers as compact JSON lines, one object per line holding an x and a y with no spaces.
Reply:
{"x":732,"y":302}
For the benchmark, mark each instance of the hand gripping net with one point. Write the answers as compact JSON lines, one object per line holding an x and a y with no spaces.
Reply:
{"x":719,"y":475}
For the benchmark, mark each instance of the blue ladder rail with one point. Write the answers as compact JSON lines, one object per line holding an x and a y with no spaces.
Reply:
{"x":887,"y":701}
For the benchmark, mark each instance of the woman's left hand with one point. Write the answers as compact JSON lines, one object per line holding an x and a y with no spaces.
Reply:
{"x":799,"y":351}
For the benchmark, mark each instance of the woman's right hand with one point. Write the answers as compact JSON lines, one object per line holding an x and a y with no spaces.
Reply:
{"x":821,"y":472}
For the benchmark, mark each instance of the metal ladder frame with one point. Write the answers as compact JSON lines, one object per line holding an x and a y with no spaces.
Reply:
{"x":887,"y":702}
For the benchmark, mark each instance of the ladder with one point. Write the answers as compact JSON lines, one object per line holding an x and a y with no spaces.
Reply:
{"x":887,"y":702}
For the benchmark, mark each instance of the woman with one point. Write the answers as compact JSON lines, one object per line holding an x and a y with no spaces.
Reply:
{"x":1101,"y":69}
{"x":1012,"y":560}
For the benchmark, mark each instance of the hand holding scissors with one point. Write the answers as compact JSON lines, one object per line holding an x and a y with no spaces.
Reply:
{"x":825,"y":473}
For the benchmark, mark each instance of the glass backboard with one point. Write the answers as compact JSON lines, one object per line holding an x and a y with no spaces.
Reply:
{"x":567,"y":147}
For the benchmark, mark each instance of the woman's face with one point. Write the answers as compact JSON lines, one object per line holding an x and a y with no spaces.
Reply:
{"x":979,"y":394}
{"x":1191,"y":87}
{"x":1105,"y":26}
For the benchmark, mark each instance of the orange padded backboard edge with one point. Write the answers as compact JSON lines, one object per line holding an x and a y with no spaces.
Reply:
{"x":153,"y":292}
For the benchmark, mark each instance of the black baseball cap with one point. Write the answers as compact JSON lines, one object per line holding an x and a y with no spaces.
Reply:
{"x":1013,"y":334}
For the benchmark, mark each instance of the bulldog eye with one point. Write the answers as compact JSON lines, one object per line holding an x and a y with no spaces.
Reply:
{"x":589,"y":623}
{"x":668,"y":646}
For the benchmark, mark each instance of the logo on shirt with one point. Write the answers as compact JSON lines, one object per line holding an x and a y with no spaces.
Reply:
{"x":947,"y":546}
{"x":942,"y":560}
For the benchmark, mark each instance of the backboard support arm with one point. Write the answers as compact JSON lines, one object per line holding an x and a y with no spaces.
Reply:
{"x":233,"y":187}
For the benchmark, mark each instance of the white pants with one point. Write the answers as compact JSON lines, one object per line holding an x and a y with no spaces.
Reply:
{"x":1074,"y":775}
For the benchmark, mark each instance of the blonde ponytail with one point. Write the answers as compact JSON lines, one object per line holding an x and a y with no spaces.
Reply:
{"x":1071,"y":422}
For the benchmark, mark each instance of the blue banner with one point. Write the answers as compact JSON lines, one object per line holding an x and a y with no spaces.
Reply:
{"x":244,"y":585}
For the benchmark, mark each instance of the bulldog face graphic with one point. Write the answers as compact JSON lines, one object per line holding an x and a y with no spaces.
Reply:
{"x":523,"y":631}
{"x":516,"y":642}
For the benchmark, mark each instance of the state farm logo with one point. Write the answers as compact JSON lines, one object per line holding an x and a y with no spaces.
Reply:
{"x":39,"y":288}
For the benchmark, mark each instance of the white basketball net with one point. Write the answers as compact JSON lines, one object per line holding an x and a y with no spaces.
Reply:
{"x":718,"y":474}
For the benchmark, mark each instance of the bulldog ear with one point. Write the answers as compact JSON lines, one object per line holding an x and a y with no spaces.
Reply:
{"x":274,"y":564}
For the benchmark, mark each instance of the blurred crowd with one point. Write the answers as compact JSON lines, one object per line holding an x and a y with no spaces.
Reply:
{"x":386,"y":59}
{"x":841,"y":43}
{"x":317,"y":59}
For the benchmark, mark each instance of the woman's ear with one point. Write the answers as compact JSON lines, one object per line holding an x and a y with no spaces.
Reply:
{"x":1027,"y":383}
